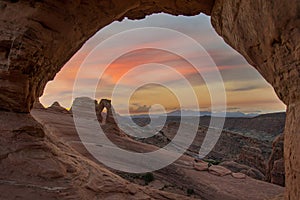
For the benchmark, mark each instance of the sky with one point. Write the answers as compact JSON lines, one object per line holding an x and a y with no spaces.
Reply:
{"x":142,"y":69}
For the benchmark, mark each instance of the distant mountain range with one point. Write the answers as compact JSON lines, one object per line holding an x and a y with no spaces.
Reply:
{"x":191,"y":113}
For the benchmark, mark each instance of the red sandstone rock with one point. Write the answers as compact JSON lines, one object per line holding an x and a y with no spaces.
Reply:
{"x":240,"y":168}
{"x":36,"y":164}
{"x":269,"y":40}
{"x":178,"y":175}
{"x":234,"y":166}
{"x":254,"y":173}
{"x":276,"y":172}
{"x":238,"y":175}
{"x":200,"y":166}
{"x":253,"y":157}
{"x":219,"y":170}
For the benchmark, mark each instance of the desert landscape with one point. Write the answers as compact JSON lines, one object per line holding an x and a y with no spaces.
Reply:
{"x":236,"y":166}
{"x":252,"y":46}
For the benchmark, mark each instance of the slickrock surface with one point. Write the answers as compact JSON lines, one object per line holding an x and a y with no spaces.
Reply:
{"x":181,"y":174}
{"x":219,"y":170}
{"x":34,"y":164}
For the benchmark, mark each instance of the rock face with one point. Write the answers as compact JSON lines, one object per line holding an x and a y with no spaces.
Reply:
{"x":266,"y":33}
{"x":253,"y":157}
{"x":268,"y":39}
{"x":292,"y":151}
{"x":275,"y":171}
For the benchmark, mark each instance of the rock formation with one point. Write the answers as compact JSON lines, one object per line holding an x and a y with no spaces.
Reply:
{"x":238,"y":175}
{"x":250,"y":153}
{"x":252,"y":156}
{"x":185,"y":173}
{"x":109,"y":118}
{"x":56,"y":107}
{"x":275,"y":172}
{"x":36,"y":42}
{"x":244,"y":169}
{"x":267,"y":33}
{"x":37,"y":105}
{"x":219,"y":170}
{"x":35,"y":164}
{"x":265,"y":126}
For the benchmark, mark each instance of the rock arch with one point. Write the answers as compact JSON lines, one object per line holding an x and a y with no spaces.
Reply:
{"x":105,"y":103}
{"x":36,"y":42}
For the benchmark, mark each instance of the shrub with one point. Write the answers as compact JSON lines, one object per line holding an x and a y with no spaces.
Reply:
{"x":212,"y":162}
{"x":148,"y":177}
{"x":190,"y":191}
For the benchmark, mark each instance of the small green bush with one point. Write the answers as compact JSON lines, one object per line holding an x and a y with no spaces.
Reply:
{"x":212,"y":162}
{"x":190,"y":191}
{"x":148,"y":177}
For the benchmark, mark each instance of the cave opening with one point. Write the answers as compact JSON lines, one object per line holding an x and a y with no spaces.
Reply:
{"x":248,"y":94}
{"x":246,"y":90}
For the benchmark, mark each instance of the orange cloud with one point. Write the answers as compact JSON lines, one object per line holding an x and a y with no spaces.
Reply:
{"x":231,"y":65}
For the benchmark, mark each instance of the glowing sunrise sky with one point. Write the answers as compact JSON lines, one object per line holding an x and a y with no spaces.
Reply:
{"x":246,"y":90}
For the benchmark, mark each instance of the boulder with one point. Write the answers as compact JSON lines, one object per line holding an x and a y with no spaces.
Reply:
{"x":278,"y":173}
{"x":244,"y":169}
{"x":253,"y":157}
{"x":238,"y":175}
{"x":254,"y":173}
{"x":218,"y":170}
{"x":234,"y":166}
{"x":200,"y":166}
